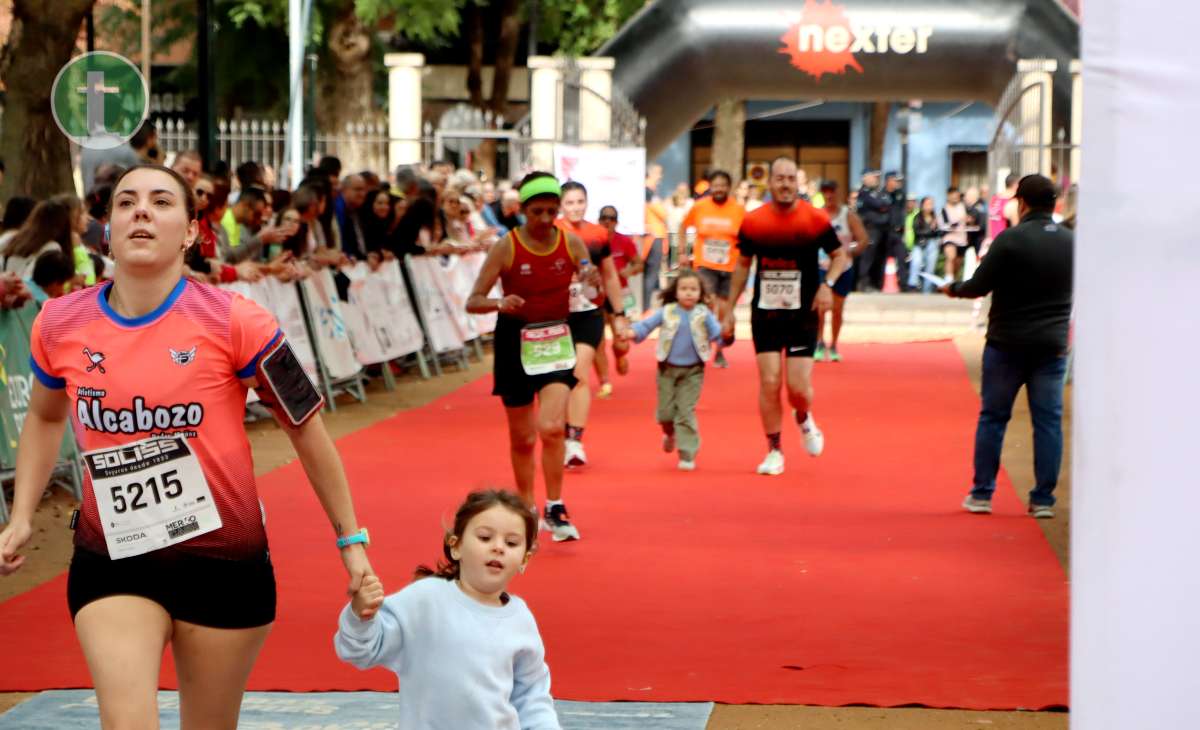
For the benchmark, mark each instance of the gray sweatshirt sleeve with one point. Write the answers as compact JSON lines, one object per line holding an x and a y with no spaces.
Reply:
{"x":531,"y":687}
{"x":378,"y":642}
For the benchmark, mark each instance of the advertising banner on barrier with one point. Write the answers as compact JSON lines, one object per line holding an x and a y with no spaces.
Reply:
{"x":379,"y":316}
{"x":473,"y":264}
{"x":426,"y":275}
{"x":454,"y":281}
{"x":615,"y":177}
{"x":282,"y":300}
{"x":16,"y":380}
{"x":329,"y":326}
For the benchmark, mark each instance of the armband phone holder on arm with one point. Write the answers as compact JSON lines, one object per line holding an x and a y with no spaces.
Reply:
{"x":288,"y":389}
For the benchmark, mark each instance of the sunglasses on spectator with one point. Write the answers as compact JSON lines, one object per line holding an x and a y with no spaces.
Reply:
{"x":201,"y":192}
{"x":608,"y":217}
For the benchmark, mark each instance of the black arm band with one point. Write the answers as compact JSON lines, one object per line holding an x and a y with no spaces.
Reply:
{"x":286,"y":388}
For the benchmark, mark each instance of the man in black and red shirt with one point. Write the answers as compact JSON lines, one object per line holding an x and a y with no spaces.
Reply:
{"x":784,"y":236}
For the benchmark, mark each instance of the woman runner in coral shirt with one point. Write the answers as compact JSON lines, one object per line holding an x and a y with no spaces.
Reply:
{"x":170,"y":545}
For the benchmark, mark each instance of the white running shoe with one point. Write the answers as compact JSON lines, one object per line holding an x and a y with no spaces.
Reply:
{"x":773,"y":464}
{"x":573,"y":454}
{"x":814,"y":440}
{"x":687,"y":465}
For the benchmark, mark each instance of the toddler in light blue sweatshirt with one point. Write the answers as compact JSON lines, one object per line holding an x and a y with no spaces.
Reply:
{"x":688,"y":330}
{"x":468,"y":654}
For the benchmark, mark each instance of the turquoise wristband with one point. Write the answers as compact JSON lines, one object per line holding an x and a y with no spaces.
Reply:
{"x":354,"y":539}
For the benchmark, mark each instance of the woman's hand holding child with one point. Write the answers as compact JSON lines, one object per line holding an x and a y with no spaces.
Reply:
{"x":368,"y":598}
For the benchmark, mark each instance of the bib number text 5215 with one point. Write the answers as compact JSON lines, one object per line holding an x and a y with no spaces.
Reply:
{"x":137,"y":495}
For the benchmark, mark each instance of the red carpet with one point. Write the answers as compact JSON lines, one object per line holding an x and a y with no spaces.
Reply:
{"x":854,"y":578}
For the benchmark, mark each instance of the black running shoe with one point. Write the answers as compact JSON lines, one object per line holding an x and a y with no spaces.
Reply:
{"x":557,"y":519}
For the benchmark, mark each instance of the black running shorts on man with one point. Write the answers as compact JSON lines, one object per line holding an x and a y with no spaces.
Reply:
{"x":784,"y":243}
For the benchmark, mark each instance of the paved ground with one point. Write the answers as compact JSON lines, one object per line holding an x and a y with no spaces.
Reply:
{"x":869,"y":318}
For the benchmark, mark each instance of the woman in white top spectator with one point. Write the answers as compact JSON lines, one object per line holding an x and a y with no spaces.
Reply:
{"x":954,"y":225}
{"x":16,"y":212}
{"x":51,"y":226}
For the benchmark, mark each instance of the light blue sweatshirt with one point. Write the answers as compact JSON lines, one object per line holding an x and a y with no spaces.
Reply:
{"x":683,"y":350}
{"x":462,"y":665}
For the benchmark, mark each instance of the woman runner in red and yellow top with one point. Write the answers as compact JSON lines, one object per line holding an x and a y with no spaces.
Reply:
{"x":170,"y":546}
{"x":534,"y":351}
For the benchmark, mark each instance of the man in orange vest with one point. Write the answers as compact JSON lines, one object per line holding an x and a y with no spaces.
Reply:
{"x":716,"y":219}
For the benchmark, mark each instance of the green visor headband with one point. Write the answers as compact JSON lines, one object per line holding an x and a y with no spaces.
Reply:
{"x":544,"y":185}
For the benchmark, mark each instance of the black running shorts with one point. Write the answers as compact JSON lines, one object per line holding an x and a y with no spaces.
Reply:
{"x":793,"y":330}
{"x":587,"y":328}
{"x":515,"y":387}
{"x":213,"y":592}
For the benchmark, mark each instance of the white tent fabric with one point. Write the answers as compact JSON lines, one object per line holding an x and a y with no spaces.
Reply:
{"x":1136,"y":493}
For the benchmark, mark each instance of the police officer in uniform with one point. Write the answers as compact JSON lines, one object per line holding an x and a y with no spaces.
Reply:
{"x":874,"y":208}
{"x":893,"y":190}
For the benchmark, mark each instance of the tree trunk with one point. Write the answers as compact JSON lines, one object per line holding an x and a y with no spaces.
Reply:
{"x":475,"y":60}
{"x":35,"y":152}
{"x":729,"y":137}
{"x":346,"y":91}
{"x":506,"y":54}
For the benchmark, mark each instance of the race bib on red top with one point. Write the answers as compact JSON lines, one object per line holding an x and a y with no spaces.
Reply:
{"x":150,"y":494}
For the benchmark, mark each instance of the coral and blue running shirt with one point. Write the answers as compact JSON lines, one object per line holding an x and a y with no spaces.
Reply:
{"x":174,"y":372}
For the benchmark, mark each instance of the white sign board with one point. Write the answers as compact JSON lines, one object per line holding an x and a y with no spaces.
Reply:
{"x":615,"y":177}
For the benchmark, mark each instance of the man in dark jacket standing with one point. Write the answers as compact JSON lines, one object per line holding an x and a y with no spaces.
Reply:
{"x":874,"y":208}
{"x":1028,"y":271}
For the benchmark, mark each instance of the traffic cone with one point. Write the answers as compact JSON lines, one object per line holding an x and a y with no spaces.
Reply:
{"x":891,"y":285}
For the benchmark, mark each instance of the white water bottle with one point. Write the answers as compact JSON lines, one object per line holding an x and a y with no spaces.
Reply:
{"x":589,"y":290}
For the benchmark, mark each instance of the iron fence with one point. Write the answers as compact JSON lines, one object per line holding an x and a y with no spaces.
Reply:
{"x":361,"y":146}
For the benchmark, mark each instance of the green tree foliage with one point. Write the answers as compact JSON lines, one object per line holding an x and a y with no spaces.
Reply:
{"x":579,"y":27}
{"x":251,"y":35}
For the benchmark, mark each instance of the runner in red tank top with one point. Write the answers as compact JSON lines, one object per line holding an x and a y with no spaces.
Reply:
{"x":534,"y":353}
{"x":541,"y":279}
{"x":587,"y":319}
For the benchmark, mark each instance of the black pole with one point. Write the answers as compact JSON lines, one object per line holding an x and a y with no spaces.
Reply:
{"x":91,"y":30}
{"x":311,"y":118}
{"x":531,"y":45}
{"x":206,"y":132}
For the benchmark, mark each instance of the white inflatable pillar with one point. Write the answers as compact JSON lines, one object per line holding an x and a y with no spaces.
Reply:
{"x":1135,"y":629}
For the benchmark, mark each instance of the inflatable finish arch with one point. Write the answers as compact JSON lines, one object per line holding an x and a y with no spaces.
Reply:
{"x":677,"y":58}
